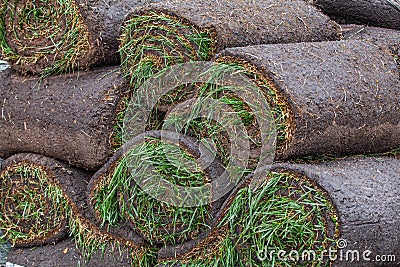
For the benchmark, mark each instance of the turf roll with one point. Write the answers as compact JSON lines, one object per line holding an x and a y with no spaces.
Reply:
{"x":33,"y":212}
{"x":287,"y":211}
{"x":125,"y":190}
{"x":73,"y":117}
{"x":306,"y":210}
{"x":333,"y":97}
{"x":380,"y":13}
{"x":57,"y":36}
{"x":45,"y":200}
{"x":172,"y":32}
{"x":364,"y":192}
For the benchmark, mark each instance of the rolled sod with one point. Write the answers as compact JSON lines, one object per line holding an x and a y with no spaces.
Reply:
{"x":33,"y":212}
{"x":84,"y":126}
{"x":365,"y":194}
{"x":346,"y":206}
{"x":379,"y":13}
{"x":57,"y":36}
{"x":117,"y":192}
{"x":73,"y":117}
{"x":286,"y":212}
{"x":172,"y":32}
{"x":44,"y":200}
{"x":334,"y":97}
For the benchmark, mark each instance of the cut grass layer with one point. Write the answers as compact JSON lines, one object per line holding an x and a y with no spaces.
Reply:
{"x":287,"y":213}
{"x":46,"y":36}
{"x":153,"y":41}
{"x":117,"y":198}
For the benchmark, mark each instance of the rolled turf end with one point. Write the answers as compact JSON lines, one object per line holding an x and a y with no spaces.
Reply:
{"x":313,"y":118}
{"x":34,"y":40}
{"x":115,"y":198}
{"x":33,"y":209}
{"x":287,"y":212}
{"x":172,"y":32}
{"x":154,"y":40}
{"x":59,"y":210}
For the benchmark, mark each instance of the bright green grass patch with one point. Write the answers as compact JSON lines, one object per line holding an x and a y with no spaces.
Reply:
{"x":120,"y":198}
{"x":33,"y":206}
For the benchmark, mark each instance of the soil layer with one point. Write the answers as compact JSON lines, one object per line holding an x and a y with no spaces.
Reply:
{"x":64,"y":254}
{"x":71,"y":117}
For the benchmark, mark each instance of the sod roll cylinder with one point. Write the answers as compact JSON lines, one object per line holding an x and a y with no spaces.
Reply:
{"x":286,"y":212}
{"x":117,"y":192}
{"x":339,"y":213}
{"x":70,"y":117}
{"x":34,"y":208}
{"x":334,"y":97}
{"x":380,"y":13}
{"x":365,"y":194}
{"x":44,"y":200}
{"x":172,"y":32}
{"x":49,"y":37}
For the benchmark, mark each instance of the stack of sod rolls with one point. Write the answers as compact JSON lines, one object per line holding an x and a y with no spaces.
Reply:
{"x":329,"y":116}
{"x":326,"y":97}
{"x":87,"y":132}
{"x":310,"y":206}
{"x":298,"y":207}
{"x":315,"y":214}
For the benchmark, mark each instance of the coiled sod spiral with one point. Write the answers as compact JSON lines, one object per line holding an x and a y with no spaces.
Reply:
{"x":46,"y":36}
{"x":228,"y":98}
{"x":33,"y":209}
{"x":153,"y":41}
{"x":44,"y":200}
{"x":288,"y":212}
{"x":117,"y":197}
